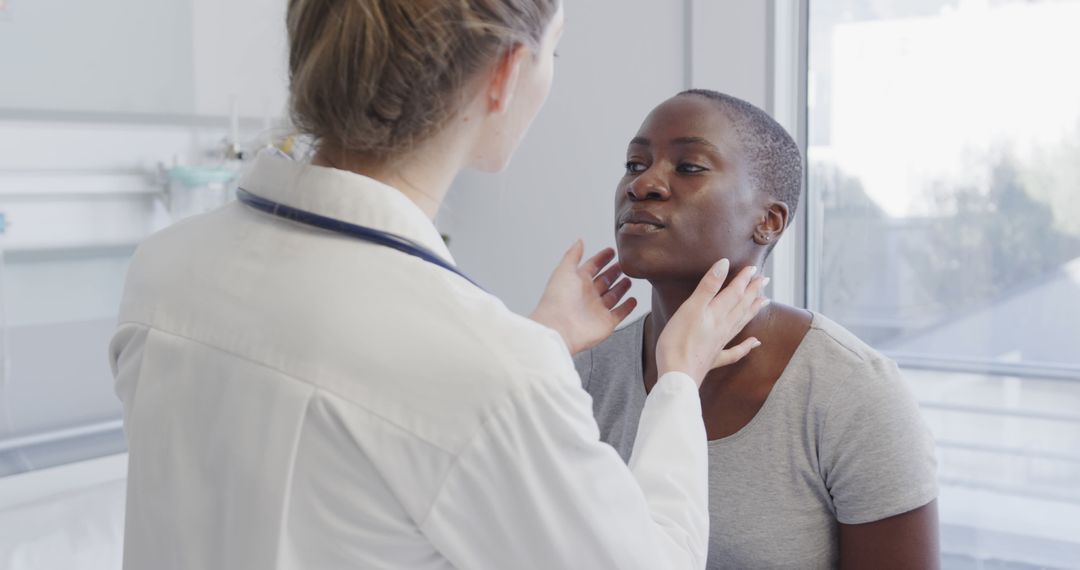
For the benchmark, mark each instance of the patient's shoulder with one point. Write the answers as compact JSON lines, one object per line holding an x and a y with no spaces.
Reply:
{"x":833,"y":343}
{"x":617,"y":356}
{"x":836,"y":365}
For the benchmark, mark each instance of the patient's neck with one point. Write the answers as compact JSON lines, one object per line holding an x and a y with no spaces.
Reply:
{"x":668,"y":296}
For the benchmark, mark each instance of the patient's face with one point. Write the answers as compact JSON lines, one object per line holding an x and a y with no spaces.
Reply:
{"x":685,"y":200}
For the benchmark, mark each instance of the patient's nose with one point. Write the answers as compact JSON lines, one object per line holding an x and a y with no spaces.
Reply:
{"x":646,"y":187}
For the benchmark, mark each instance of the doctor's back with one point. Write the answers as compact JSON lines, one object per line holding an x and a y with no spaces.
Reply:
{"x":295,"y":398}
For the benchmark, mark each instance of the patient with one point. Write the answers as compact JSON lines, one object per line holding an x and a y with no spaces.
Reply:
{"x":818,"y":456}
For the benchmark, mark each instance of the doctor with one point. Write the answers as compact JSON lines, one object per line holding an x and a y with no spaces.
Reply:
{"x":309,"y":382}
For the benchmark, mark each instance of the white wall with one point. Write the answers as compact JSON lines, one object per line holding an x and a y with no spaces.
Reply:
{"x":239,"y":50}
{"x":160,"y":57}
{"x":618,"y":59}
{"x":730,"y":51}
{"x":105,"y":56}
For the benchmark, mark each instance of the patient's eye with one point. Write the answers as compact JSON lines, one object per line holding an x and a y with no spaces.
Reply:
{"x":635,"y":167}
{"x":690,"y":168}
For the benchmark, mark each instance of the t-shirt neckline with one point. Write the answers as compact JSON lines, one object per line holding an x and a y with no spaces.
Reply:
{"x":639,"y":373}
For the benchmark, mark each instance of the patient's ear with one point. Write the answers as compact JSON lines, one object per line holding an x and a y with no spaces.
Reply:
{"x":771,"y":225}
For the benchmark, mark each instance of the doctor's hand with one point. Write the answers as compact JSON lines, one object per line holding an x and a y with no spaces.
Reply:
{"x":694,"y":338}
{"x":581,"y":300}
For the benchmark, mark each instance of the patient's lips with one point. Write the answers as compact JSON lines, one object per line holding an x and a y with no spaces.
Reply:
{"x":639,"y":222}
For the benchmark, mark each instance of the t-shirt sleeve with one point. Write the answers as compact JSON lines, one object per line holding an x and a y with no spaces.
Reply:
{"x":876,"y":453}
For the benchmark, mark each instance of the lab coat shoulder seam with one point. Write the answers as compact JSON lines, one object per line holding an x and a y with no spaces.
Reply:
{"x":314,"y":388}
{"x":383,"y":419}
{"x":288,"y":488}
{"x":508,"y":402}
{"x":154,"y":328}
{"x":135,"y":385}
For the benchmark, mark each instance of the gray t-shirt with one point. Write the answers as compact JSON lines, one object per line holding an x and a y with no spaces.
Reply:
{"x":839,"y":438}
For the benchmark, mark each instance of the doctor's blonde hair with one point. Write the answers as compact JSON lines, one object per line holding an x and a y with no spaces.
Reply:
{"x":376,"y":77}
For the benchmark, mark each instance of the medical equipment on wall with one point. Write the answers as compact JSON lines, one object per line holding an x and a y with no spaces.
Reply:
{"x":191,"y":190}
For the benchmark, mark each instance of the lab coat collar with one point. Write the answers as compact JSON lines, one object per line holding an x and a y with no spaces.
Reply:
{"x":342,"y":195}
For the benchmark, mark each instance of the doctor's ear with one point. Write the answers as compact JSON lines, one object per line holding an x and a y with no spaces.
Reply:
{"x":503,"y":78}
{"x":772,"y":224}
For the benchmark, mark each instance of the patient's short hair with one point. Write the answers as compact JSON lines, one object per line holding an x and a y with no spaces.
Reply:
{"x":775,"y":160}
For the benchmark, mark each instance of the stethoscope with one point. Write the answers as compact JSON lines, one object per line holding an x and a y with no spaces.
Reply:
{"x":355,"y":231}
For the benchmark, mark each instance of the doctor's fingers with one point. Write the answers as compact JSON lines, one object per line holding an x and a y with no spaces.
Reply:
{"x":736,"y":353}
{"x":751,"y":303}
{"x":603,"y":282}
{"x":612,"y":296}
{"x":620,"y":313}
{"x":708,"y":287}
{"x":591,"y":268}
{"x":572,"y":258}
{"x":732,"y":295}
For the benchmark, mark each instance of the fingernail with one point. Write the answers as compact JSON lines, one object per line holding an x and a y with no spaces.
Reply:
{"x":721,"y":267}
{"x":753,"y":270}
{"x":765,"y":281}
{"x":766,"y":302}
{"x":756,"y":343}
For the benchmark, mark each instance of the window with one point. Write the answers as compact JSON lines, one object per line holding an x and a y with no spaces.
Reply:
{"x":944,"y":229}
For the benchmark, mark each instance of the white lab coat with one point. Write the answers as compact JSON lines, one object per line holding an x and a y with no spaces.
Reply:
{"x":295,"y":398}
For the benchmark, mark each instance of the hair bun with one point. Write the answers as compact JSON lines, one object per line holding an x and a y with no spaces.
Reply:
{"x":376,"y":77}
